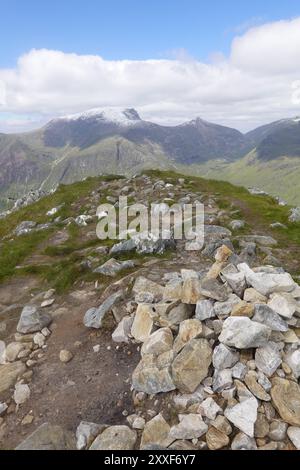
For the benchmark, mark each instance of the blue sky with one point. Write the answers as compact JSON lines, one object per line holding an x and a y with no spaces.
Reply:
{"x":131,"y":29}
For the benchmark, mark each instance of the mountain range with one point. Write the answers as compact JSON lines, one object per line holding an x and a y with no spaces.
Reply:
{"x":118,"y":141}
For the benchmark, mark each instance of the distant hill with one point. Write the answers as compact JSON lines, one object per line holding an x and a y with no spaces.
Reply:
{"x":118,"y":141}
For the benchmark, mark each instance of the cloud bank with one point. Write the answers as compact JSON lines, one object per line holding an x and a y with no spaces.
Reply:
{"x":257,"y":83}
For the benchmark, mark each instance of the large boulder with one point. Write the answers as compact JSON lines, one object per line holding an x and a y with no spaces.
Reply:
{"x":156,"y":433}
{"x":191,"y":365}
{"x":32,"y":319}
{"x":48,"y":437}
{"x":153,"y":374}
{"x":115,"y":438}
{"x":94,"y":316}
{"x":243,"y":333}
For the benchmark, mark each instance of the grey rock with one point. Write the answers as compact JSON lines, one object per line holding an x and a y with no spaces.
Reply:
{"x":25,"y":227}
{"x":112,"y":267}
{"x":237,"y":282}
{"x":239,"y":371}
{"x":268,"y":358}
{"x":223,"y":309}
{"x":115,"y":438}
{"x":224,"y":357}
{"x":190,"y":426}
{"x":278,"y":431}
{"x":294,"y":215}
{"x":48,"y":437}
{"x":244,"y":415}
{"x":32,"y":319}
{"x":265,"y":315}
{"x":212,"y":289}
{"x":86,"y":432}
{"x":293,"y":360}
{"x":267,"y":282}
{"x":243,"y":333}
{"x":237,"y":224}
{"x":222,"y":380}
{"x":294,"y":435}
{"x":243,"y":442}
{"x":95,"y":316}
{"x":204,"y":310}
{"x":153,"y":375}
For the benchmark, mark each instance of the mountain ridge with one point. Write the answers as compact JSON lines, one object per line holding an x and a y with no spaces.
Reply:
{"x":119,"y":141}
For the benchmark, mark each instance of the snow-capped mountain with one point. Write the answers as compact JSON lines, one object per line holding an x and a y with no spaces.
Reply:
{"x":120,"y":116}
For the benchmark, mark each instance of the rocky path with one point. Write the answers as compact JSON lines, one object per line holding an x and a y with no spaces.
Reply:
{"x":190,"y":351}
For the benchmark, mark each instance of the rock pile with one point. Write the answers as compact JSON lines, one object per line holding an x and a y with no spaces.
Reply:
{"x":224,"y":345}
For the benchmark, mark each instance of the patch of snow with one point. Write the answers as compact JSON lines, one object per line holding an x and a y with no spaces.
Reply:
{"x":124,"y":117}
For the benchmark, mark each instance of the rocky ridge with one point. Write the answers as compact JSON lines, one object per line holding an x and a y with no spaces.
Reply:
{"x":217,"y":341}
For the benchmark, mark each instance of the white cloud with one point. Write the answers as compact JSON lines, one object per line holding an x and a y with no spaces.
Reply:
{"x":254,"y":85}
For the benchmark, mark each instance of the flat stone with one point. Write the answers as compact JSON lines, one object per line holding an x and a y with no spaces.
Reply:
{"x":205,"y":310}
{"x":94,"y":316}
{"x":278,"y":431}
{"x":115,"y":438}
{"x":32,"y":320}
{"x":244,"y":415}
{"x":86,"y":432}
{"x":236,"y":281}
{"x":123,"y":330}
{"x":286,"y":399}
{"x":48,"y":437}
{"x":255,"y":388}
{"x":265,"y":315}
{"x":190,"y":426}
{"x":224,"y":357}
{"x":191,"y":365}
{"x":156,"y":433}
{"x":112,"y":267}
{"x":223,"y":309}
{"x":239,"y":371}
{"x":294,"y":436}
{"x":188,"y":330}
{"x":243,"y":333}
{"x":191,"y":291}
{"x":243,"y":309}
{"x":268,"y":358}
{"x":172,"y":313}
{"x":158,"y":342}
{"x":253,"y":296}
{"x":13,"y":350}
{"x":267,"y":283}
{"x":21,"y":393}
{"x":144,"y":285}
{"x":143,"y":323}
{"x":222,"y":424}
{"x":216,"y":439}
{"x":212,"y":289}
{"x":222,"y":380}
{"x":284,"y":304}
{"x":9,"y":373}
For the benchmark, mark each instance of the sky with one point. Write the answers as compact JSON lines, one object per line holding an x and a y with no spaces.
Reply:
{"x":231,"y":62}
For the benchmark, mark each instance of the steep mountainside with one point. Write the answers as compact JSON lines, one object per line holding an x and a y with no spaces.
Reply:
{"x":106,"y":141}
{"x":118,"y":141}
